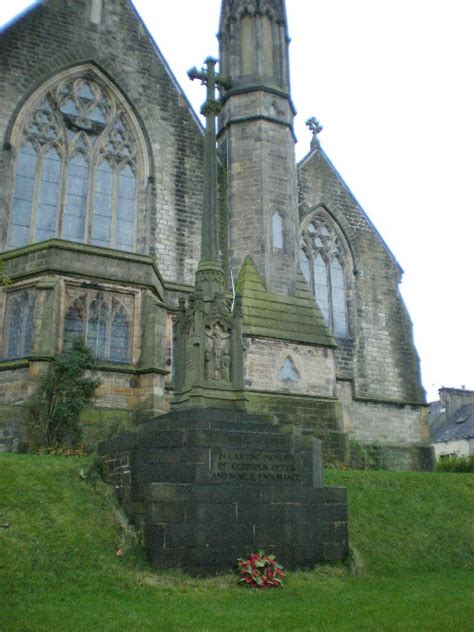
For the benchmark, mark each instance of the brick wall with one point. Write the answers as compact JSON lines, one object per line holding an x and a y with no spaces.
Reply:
{"x":117,"y":470}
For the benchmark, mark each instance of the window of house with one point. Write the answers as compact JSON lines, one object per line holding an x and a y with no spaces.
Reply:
{"x":323,"y":264}
{"x":103,"y":321}
{"x":18,"y":334}
{"x":76,"y":169}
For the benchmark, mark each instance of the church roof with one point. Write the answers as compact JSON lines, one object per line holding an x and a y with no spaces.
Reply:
{"x":296,"y":318}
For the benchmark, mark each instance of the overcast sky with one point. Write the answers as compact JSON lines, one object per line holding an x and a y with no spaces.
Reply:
{"x":391,"y":82}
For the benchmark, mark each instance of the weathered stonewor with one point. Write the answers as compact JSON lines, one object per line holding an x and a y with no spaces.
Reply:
{"x":209,"y":486}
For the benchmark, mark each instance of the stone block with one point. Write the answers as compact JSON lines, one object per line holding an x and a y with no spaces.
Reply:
{"x":335,"y":512}
{"x":227,"y":494}
{"x":161,"y":513}
{"x":166,"y":492}
{"x":334,"y":552}
{"x":163,"y":472}
{"x":212,"y":513}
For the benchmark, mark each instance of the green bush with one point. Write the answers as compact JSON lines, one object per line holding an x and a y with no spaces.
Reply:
{"x":456,"y":464}
{"x":68,"y":386}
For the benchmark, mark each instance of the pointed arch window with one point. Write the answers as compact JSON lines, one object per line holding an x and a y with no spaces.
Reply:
{"x":103,"y":321}
{"x":77,"y":168}
{"x":323,"y":263}
{"x":19,"y":324}
{"x":277,"y":231}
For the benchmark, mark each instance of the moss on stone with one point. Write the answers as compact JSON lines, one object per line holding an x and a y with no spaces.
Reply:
{"x":295,"y":318}
{"x":98,"y":424}
{"x":320,"y":418}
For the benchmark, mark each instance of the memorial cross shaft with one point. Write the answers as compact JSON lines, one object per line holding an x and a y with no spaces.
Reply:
{"x":210,"y":109}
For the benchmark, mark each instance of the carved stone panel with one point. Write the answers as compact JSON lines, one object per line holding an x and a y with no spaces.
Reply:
{"x":217,"y":352}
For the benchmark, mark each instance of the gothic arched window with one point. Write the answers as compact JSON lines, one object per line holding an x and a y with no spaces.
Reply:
{"x":19,"y":324}
{"x":77,"y":168}
{"x":323,"y":264}
{"x":102,"y":320}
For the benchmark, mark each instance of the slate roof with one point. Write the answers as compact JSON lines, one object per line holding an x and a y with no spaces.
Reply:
{"x":459,"y":426}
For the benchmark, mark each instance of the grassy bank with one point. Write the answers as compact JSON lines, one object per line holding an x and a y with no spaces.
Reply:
{"x":411,"y":534}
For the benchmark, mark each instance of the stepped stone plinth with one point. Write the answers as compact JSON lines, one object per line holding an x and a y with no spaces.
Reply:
{"x":207,"y":486}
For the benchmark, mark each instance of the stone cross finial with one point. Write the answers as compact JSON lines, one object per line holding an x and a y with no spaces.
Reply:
{"x":211,"y":79}
{"x":316,"y":128}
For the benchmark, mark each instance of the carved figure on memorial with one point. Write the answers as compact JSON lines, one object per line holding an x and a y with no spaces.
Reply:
{"x":220,"y":307}
{"x":217,"y":354}
{"x":226,"y":366}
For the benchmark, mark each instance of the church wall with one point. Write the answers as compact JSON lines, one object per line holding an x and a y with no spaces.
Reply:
{"x":123,"y":399}
{"x":52,"y":38}
{"x":15,"y":385}
{"x":282,"y":367}
{"x":371,"y":421}
{"x":383,"y":363}
{"x":60,"y":275}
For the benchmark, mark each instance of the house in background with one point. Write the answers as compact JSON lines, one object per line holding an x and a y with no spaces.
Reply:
{"x":451,"y":422}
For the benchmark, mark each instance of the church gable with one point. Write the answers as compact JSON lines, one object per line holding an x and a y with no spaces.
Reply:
{"x":50,"y":40}
{"x":377,"y":352}
{"x":319,"y":184}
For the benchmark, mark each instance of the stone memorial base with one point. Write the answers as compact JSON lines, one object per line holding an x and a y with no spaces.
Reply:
{"x":209,"y":486}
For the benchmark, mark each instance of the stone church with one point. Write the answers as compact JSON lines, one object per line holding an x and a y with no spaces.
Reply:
{"x":101,"y":191}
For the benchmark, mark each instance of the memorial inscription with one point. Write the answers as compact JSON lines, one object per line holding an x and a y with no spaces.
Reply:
{"x":253,"y":466}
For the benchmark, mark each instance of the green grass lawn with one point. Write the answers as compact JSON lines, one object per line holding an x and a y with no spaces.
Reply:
{"x":411,"y":534}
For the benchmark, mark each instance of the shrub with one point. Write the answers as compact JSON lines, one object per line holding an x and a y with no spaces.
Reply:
{"x":456,"y":464}
{"x":67,"y":387}
{"x":261,"y":571}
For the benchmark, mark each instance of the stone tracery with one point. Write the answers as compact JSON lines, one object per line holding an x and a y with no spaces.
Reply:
{"x":76,"y":173}
{"x":323,"y":264}
{"x":104,"y":321}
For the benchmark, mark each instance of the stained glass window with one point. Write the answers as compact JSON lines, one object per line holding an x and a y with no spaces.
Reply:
{"x":103,"y":321}
{"x":103,"y":205}
{"x":323,"y":265}
{"x":48,"y":195}
{"x":22,"y":202}
{"x":19,"y":324}
{"x":75,"y":208}
{"x":76,"y":169}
